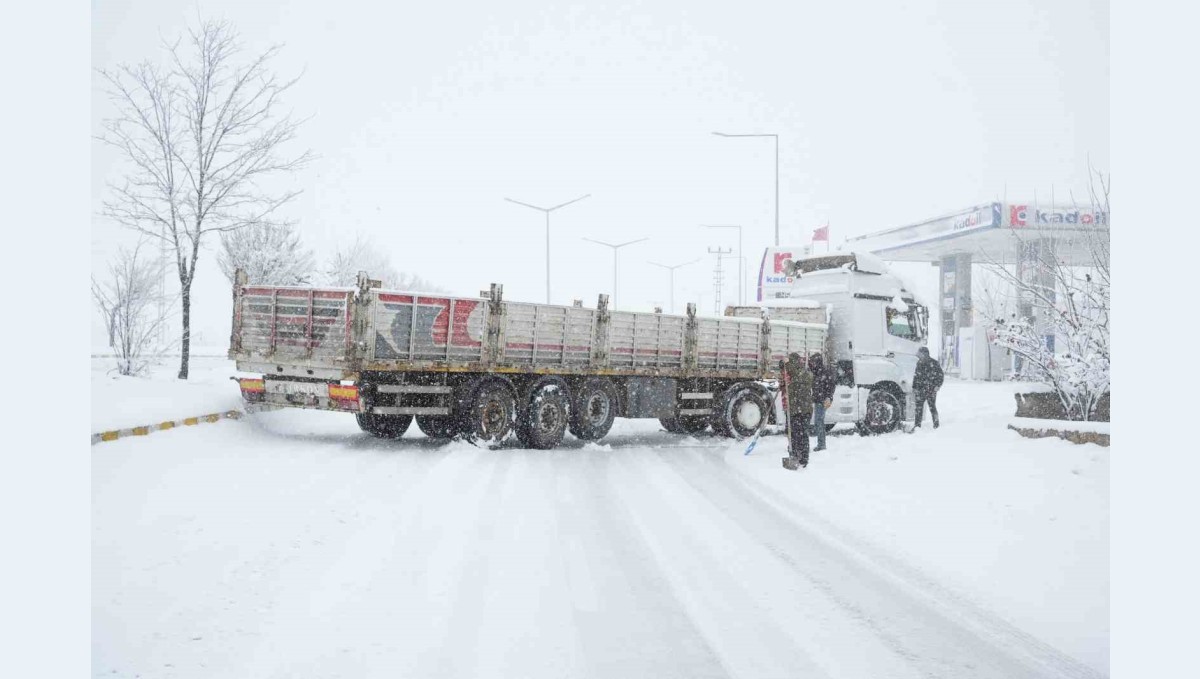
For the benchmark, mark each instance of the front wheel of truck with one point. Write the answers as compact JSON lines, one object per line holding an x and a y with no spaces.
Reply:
{"x":383,"y":426}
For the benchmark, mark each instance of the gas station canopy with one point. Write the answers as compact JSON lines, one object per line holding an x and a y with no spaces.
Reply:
{"x":992,"y":231}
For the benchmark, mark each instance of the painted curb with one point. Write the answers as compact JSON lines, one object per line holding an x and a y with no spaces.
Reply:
{"x":115,"y":434}
{"x":1078,"y":437}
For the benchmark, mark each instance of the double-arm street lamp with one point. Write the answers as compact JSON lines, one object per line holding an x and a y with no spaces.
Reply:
{"x":615,"y":247}
{"x":672,"y":270}
{"x":547,"y":210}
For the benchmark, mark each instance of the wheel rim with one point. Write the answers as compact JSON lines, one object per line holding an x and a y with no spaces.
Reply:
{"x":597,"y":408}
{"x":547,"y":418}
{"x":882,"y":412}
{"x":748,"y":415}
{"x":493,"y":419}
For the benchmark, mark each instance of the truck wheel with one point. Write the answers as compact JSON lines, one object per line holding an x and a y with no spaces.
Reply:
{"x":383,"y":426}
{"x":490,"y":415}
{"x":542,"y":421}
{"x":593,"y":409}
{"x":437,"y":426}
{"x":883,"y":413}
{"x":684,"y":424}
{"x":741,"y":411}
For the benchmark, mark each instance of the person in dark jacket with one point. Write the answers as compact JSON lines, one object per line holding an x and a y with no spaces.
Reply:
{"x":799,"y":383}
{"x":926,"y":382}
{"x":823,"y":386}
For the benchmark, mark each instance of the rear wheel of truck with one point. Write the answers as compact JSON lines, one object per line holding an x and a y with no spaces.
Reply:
{"x":490,"y":414}
{"x":593,"y":409}
{"x":542,"y":418}
{"x":740,"y":412}
{"x":684,"y":424}
{"x":437,"y":426}
{"x":883,"y":413}
{"x":383,"y":426}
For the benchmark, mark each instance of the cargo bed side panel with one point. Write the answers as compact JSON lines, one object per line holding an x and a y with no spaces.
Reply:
{"x":414,"y":327}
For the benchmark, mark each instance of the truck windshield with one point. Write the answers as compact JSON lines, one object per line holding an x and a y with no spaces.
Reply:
{"x":906,"y":324}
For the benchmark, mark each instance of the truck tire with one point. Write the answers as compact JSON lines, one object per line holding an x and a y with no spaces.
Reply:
{"x":490,"y":413}
{"x":383,"y":426}
{"x":437,"y":426}
{"x":542,"y":417}
{"x":593,"y":409}
{"x":684,"y":424}
{"x":740,"y":411}
{"x":884,"y":411}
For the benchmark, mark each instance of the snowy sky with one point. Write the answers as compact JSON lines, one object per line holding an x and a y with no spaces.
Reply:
{"x":425,"y":116}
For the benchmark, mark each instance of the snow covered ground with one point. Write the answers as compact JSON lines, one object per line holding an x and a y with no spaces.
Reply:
{"x":291,"y":544}
{"x":119,"y":402}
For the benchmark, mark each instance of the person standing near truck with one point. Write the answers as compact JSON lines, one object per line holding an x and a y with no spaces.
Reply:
{"x":798,"y":386}
{"x":926,"y":382}
{"x":823,"y":386}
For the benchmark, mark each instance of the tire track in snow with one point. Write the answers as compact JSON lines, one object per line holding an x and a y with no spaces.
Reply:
{"x":760,"y":620}
{"x":939,"y":633}
{"x":627,"y":621}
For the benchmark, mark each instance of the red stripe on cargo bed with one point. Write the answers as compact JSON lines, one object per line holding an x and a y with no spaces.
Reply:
{"x":405,"y":299}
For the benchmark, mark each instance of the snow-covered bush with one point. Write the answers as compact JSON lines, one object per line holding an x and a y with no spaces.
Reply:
{"x":1079,"y":374}
{"x":270,"y":254}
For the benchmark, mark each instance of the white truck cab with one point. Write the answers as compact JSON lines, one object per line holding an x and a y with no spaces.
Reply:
{"x":876,"y":327}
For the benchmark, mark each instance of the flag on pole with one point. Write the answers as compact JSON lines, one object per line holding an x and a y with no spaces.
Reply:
{"x":821,"y":234}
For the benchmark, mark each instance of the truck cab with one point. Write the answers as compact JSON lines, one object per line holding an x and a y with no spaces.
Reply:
{"x":876,"y":327}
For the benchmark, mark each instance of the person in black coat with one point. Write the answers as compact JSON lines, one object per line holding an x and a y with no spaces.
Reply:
{"x":824,"y":383}
{"x":926,"y":382}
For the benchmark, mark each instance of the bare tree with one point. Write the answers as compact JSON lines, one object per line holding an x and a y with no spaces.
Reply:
{"x":270,"y":254}
{"x":128,"y":299}
{"x":201,"y":135}
{"x":1070,"y":301}
{"x":362,"y":254}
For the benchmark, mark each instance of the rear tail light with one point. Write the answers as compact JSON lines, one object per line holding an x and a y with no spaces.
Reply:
{"x":345,"y":396}
{"x":253,"y":389}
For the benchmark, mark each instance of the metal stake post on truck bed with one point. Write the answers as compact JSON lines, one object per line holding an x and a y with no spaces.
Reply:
{"x":482,"y":367}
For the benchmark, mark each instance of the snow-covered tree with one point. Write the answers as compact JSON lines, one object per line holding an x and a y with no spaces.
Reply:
{"x":130,"y":301}
{"x":270,"y":254}
{"x":1070,"y":302}
{"x":201,"y":136}
{"x":362,"y":254}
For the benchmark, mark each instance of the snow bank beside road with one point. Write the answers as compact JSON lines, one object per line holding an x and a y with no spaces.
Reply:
{"x":120,"y":402}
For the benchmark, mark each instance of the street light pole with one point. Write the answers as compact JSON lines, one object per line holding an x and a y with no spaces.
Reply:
{"x":615,"y":247}
{"x":776,"y":137}
{"x":548,"y":210}
{"x":672,"y":270}
{"x":741,"y":259}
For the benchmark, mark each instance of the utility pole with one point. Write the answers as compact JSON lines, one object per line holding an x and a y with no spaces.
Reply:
{"x":776,"y":137}
{"x":740,"y":257}
{"x":547,"y":211}
{"x":615,"y":247}
{"x":718,"y":276}
{"x":672,"y":270}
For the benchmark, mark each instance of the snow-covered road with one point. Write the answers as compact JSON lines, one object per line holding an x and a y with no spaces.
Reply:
{"x":290,"y":544}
